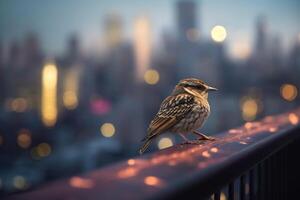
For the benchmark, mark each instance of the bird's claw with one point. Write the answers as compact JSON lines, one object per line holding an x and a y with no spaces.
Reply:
{"x":207,"y":138}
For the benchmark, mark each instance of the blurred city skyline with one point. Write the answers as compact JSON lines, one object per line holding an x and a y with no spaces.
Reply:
{"x":60,"y":103}
{"x":86,"y":19}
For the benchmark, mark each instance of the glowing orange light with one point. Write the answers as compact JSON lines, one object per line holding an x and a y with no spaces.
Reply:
{"x":79,"y":182}
{"x":128,"y":172}
{"x":151,"y":77}
{"x":273,"y":129}
{"x":206,"y":154}
{"x":288,"y":92}
{"x":70,"y":95}
{"x":249,"y":107}
{"x":49,"y":94}
{"x":43,"y":149}
{"x":152,"y":181}
{"x":293,"y":118}
{"x":24,"y":138}
{"x":131,"y":162}
{"x":223,"y":196}
{"x":214,"y":149}
{"x":107,"y":129}
{"x":142,"y":45}
{"x":248,"y":125}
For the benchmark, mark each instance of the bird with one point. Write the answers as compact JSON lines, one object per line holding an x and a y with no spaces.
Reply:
{"x":183,"y":111}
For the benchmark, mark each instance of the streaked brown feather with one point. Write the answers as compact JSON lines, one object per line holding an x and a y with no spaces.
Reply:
{"x":172,"y":110}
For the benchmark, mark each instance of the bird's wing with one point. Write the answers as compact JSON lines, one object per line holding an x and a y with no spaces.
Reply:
{"x":172,"y":110}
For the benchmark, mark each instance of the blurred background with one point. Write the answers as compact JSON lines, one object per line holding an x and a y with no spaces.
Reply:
{"x":81,"y":80}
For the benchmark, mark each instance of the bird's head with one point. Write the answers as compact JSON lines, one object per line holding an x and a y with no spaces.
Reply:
{"x":194,"y":87}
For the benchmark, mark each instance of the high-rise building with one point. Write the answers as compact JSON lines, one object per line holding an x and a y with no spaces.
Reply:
{"x":142,"y":46}
{"x":261,"y":40}
{"x":113,"y":32}
{"x":73,"y":47}
{"x":187,"y":20}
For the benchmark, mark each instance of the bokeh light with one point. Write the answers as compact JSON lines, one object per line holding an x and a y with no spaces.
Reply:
{"x":18,"y":105}
{"x":218,"y":33}
{"x":79,"y":182}
{"x":293,"y":118}
{"x":107,"y":129}
{"x":24,"y":138}
{"x":70,"y":95}
{"x":164,"y":142}
{"x":49,"y":94}
{"x":288,"y":92}
{"x":19,"y":182}
{"x":40,"y":151}
{"x":151,"y":77}
{"x":152,"y":181}
{"x":249,"y":107}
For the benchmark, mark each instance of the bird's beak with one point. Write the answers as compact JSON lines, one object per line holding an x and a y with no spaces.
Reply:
{"x":209,"y":88}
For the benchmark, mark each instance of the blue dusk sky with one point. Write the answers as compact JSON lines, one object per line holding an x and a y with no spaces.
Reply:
{"x":55,"y":20}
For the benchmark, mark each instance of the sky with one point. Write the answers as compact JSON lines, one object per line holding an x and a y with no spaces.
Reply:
{"x":55,"y":20}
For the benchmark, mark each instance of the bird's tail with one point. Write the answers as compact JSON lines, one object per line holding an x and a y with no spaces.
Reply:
{"x":145,"y":146}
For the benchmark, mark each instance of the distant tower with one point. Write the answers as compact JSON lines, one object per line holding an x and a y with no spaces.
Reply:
{"x":142,"y":46}
{"x":113,"y":30}
{"x":32,"y":50}
{"x":186,"y":19}
{"x":261,"y":37}
{"x":73,"y":47}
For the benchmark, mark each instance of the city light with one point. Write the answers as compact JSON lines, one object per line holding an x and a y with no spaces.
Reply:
{"x":223,"y":196}
{"x":218,"y":33}
{"x":79,"y":182}
{"x":241,"y":49}
{"x":127,"y":172}
{"x":40,"y":151}
{"x":49,"y":94}
{"x":19,"y":182}
{"x":164,"y":142}
{"x":24,"y":138}
{"x":288,"y":92}
{"x":142,"y":46}
{"x":107,"y":130}
{"x":18,"y":105}
{"x":70,"y":96}
{"x":151,"y":77}
{"x":152,"y":181}
{"x":249,"y":107}
{"x":43,"y":149}
{"x":293,"y":118}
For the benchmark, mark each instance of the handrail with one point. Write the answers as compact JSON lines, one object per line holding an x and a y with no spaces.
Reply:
{"x":179,"y":170}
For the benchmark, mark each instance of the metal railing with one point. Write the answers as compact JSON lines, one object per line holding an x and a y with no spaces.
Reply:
{"x":255,"y":161}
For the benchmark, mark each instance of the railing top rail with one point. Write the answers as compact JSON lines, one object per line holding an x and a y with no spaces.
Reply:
{"x":174,"y":171}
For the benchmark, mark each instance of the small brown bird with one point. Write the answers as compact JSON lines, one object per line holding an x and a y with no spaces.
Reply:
{"x":184,"y":111}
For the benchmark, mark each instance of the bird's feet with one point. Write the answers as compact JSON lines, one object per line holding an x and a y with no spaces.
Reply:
{"x":201,"y":136}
